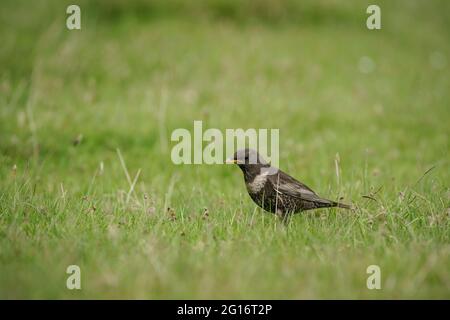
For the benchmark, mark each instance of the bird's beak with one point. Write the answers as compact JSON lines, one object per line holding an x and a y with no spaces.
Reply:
{"x":231,"y":161}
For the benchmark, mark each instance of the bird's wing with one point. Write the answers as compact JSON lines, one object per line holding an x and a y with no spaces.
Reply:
{"x":286,"y":185}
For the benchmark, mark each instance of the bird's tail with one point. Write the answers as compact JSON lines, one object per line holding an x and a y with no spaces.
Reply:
{"x":340,"y":205}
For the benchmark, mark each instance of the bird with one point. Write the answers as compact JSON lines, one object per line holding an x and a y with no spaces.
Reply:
{"x":274,"y":190}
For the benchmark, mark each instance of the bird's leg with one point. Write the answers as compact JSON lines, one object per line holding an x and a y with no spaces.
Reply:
{"x":279,"y":213}
{"x":284,"y":217}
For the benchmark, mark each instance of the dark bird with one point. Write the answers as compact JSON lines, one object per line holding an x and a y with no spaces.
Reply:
{"x":274,"y":190}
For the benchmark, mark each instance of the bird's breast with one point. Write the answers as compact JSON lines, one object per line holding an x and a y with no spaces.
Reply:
{"x":257,"y":184}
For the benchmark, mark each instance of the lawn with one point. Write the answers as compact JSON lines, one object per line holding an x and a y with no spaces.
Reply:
{"x":86,"y":176}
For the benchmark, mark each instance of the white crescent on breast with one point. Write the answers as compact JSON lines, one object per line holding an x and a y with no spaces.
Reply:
{"x":258,"y":183}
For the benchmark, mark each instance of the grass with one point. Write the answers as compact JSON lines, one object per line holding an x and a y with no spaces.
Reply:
{"x":138,"y":70}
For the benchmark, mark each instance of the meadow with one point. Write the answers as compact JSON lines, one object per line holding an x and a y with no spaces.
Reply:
{"x":86,"y":176}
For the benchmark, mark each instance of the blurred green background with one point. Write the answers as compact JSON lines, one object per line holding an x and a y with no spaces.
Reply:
{"x":376,"y":102}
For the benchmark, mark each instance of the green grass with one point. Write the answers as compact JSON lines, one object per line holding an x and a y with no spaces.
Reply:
{"x":138,"y":70}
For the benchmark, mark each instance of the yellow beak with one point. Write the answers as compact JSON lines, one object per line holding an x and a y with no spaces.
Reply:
{"x":231,"y":161}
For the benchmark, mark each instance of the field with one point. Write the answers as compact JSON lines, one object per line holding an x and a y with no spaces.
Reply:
{"x":86,"y":176}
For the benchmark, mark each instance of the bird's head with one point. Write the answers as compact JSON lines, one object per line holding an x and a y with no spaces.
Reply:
{"x":250,"y":161}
